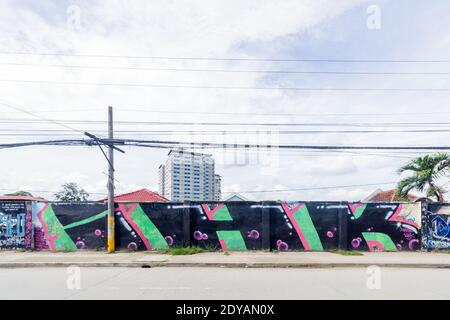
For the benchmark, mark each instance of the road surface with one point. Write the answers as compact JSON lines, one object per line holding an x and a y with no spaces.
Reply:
{"x":222,"y":283}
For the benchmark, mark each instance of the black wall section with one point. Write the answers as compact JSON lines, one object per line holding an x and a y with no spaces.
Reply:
{"x":245,"y":217}
{"x":377,"y":223}
{"x":317,"y":222}
{"x":85,"y":223}
{"x":313,"y":226}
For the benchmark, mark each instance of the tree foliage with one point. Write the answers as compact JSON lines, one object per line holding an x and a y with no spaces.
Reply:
{"x":425,"y":173}
{"x":72,"y":192}
{"x":20,"y":193}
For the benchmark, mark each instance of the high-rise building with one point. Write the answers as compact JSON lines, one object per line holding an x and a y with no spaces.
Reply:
{"x":217,"y":187}
{"x":189,"y":176}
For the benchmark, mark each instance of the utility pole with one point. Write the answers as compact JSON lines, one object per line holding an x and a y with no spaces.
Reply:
{"x":110,"y":144}
{"x":111,"y":209}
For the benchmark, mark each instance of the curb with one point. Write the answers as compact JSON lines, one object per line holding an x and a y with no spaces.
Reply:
{"x":12,"y":265}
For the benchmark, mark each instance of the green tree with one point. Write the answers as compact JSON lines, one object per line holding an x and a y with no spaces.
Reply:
{"x":19,"y":194}
{"x":71,"y":192}
{"x":426,"y":171}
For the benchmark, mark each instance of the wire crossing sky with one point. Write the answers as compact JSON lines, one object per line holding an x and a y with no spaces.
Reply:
{"x":349,"y":101}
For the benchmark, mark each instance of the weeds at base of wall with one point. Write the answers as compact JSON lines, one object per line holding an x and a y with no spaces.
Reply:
{"x":346,"y":252}
{"x":445,"y":251}
{"x":184,"y":251}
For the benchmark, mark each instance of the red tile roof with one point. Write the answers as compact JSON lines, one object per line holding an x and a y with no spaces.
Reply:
{"x":139,"y":196}
{"x":21,"y":198}
{"x":390,"y":196}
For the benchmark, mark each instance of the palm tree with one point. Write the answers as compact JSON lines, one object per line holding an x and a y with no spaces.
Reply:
{"x":426,"y":171}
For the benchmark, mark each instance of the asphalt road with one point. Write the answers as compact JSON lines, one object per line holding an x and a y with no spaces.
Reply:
{"x":222,"y":283}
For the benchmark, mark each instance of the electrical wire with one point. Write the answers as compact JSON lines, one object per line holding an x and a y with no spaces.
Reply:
{"x":407,"y":73}
{"x":152,"y":57}
{"x":185,"y":86}
{"x":212,"y":123}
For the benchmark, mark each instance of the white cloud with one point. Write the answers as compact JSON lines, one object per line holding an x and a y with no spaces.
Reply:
{"x":194,"y":28}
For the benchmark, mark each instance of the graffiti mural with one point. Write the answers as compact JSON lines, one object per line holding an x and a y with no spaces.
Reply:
{"x":384,"y":226}
{"x":69,"y":226}
{"x":149,"y":226}
{"x":436,"y":234}
{"x":233,"y":226}
{"x":311,"y":226}
{"x":230,"y":226}
{"x":13,"y":218}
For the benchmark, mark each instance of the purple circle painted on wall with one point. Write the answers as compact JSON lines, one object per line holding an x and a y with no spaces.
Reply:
{"x":198,"y":235}
{"x":132,"y":246}
{"x":355,"y":243}
{"x":413,"y":244}
{"x":169,"y":240}
{"x":330,"y":234}
{"x":80,"y":244}
{"x":399,"y":247}
{"x":98,"y":232}
{"x":282,"y":246}
{"x":253,"y":234}
{"x":204,"y":236}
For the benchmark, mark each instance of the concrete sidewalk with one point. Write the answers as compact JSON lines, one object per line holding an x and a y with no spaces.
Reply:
{"x":14,"y":259}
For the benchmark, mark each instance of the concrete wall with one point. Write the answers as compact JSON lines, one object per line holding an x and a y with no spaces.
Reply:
{"x":310,"y":226}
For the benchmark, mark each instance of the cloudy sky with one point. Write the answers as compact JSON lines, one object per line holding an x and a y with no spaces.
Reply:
{"x":68,"y":60}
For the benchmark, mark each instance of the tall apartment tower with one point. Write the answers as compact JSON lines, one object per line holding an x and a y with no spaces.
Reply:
{"x":217,"y":187}
{"x":189,"y":176}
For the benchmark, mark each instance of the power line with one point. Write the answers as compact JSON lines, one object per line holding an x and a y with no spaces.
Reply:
{"x":148,"y":110}
{"x":406,"y":73}
{"x":48,"y":192}
{"x":136,"y":142}
{"x":22,"y":110}
{"x":218,"y":133}
{"x":152,"y":143}
{"x":184,"y":86}
{"x":313,"y":188}
{"x":332,"y":60}
{"x":250,"y":191}
{"x":165,"y":111}
{"x":271,"y":124}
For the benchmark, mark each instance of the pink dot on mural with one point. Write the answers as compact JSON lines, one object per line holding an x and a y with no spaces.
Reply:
{"x":198,"y":235}
{"x":413,"y":244}
{"x":204,"y":236}
{"x":334,"y":229}
{"x":80,"y":244}
{"x":330,"y":234}
{"x":132,"y":246}
{"x":169,"y":240}
{"x":253,"y":234}
{"x":98,"y":232}
{"x":283,"y":246}
{"x":279,"y":242}
{"x":355,"y":243}
{"x":399,"y":247}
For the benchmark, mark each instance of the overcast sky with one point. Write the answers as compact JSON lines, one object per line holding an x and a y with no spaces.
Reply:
{"x":90,"y":31}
